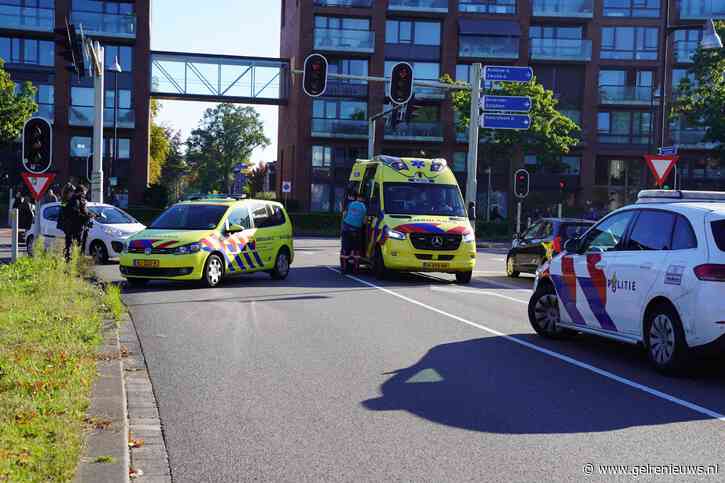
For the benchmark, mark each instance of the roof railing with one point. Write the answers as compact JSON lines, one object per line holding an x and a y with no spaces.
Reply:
{"x":670,"y":196}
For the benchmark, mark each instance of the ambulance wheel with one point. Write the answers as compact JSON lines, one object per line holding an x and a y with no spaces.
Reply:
{"x":281,"y":265}
{"x":544,"y":313}
{"x":464,"y":277}
{"x":665,"y":340}
{"x":213,"y":271}
{"x":137,"y":282}
{"x":379,"y":270}
{"x":511,"y":267}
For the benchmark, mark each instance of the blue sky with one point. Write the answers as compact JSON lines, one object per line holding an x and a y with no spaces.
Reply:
{"x":234,"y":27}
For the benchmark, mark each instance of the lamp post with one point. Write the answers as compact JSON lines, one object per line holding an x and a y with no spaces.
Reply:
{"x":710,"y":41}
{"x":116,"y":68}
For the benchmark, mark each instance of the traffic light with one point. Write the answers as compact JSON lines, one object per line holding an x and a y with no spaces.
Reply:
{"x":411,"y":109}
{"x":37,"y":149}
{"x":401,"y":83}
{"x":562,"y":184}
{"x":521,"y":183}
{"x":71,"y":43}
{"x":314,"y":77}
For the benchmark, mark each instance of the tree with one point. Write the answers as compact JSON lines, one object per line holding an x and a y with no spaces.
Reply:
{"x":702,"y":102}
{"x":226,"y":136}
{"x":550,"y":135}
{"x":175,"y":168}
{"x":256,"y":177}
{"x":15,"y":107}
{"x":160,"y":144}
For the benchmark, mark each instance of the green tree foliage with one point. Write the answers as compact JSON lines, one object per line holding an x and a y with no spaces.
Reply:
{"x":550,"y":135}
{"x":226,"y":136}
{"x":175,"y":168}
{"x":160,"y":144}
{"x":15,"y":108}
{"x":702,"y":102}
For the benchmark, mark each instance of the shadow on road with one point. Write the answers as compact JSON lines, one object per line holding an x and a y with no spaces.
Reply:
{"x":492,"y":385}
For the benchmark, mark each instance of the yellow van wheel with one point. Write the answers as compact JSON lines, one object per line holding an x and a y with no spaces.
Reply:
{"x":379,"y":270}
{"x":464,"y":277}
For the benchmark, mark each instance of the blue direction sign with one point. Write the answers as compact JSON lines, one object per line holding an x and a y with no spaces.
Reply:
{"x":507,"y":73}
{"x":505,"y":121}
{"x":506,"y":103}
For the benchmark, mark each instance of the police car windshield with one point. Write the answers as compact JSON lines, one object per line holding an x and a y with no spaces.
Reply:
{"x":189,"y":217}
{"x":423,"y":199}
{"x":107,"y":215}
{"x":718,"y":232}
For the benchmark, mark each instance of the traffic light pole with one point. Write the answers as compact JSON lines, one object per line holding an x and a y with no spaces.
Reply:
{"x":371,"y":127}
{"x":97,"y":177}
{"x":473,"y":124}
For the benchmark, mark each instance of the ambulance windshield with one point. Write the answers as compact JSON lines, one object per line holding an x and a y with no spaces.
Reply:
{"x":423,"y":199}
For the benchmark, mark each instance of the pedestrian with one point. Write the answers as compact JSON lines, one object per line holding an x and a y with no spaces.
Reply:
{"x":26,"y":214}
{"x":352,"y":226}
{"x":50,"y":197}
{"x":77,"y":219}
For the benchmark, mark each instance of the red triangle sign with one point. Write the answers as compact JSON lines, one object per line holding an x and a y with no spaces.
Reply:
{"x":38,"y":184}
{"x":661,"y":166}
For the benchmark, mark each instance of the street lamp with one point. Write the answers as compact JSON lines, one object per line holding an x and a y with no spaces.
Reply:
{"x":710,"y":41}
{"x":116,"y":68}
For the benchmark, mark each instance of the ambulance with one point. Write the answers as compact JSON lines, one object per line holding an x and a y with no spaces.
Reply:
{"x":649,"y":274}
{"x":416,"y":219}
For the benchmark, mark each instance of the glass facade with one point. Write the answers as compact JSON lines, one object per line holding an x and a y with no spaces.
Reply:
{"x":27,"y":51}
{"x":563,"y":8}
{"x":629,"y":43}
{"x":115,"y":19}
{"x":504,"y":7}
{"x":632,"y":8}
{"x":623,"y":127}
{"x":33,"y":15}
{"x":343,"y":34}
{"x":412,"y":32}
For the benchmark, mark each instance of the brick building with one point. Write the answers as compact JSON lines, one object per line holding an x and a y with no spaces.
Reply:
{"x":602,"y":58}
{"x":30,"y":52}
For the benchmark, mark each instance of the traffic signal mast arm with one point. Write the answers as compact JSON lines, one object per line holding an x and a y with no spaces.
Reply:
{"x":422,"y":83}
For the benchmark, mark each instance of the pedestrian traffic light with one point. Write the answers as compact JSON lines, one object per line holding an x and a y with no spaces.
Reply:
{"x":37,"y":149}
{"x":314,"y":77}
{"x":521,"y":183}
{"x":401,"y":83}
{"x":70,"y":42}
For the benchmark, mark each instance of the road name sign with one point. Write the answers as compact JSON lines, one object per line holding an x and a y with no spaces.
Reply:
{"x":505,"y":121}
{"x":507,"y":73}
{"x":661,"y":166}
{"x":506,"y":103}
{"x":38,"y":184}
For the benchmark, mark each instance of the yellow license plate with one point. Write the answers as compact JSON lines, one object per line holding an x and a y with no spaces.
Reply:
{"x":146,"y":263}
{"x":436,"y":265}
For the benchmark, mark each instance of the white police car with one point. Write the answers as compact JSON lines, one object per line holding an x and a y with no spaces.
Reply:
{"x":652,"y":273}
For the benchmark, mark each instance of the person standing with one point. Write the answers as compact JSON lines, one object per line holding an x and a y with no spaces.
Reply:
{"x":76,"y":221}
{"x":25,"y":213}
{"x":352,"y":225}
{"x":50,"y":197}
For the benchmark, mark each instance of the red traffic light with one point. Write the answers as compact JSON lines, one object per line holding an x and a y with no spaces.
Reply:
{"x":401,"y":83}
{"x":37,"y":145}
{"x":521,"y":185}
{"x":314,"y":77}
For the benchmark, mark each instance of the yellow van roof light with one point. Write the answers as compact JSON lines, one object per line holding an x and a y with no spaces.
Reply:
{"x":392,"y":162}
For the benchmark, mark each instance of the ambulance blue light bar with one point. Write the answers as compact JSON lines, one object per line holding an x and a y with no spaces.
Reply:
{"x":669,"y":196}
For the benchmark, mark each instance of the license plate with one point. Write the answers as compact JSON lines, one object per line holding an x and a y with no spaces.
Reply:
{"x":436,"y":265}
{"x":146,"y":263}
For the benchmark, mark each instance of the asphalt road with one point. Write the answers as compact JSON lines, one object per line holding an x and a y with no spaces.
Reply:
{"x":330,"y":377}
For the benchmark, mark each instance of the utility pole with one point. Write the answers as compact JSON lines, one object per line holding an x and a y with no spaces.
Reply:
{"x":473,"y":125}
{"x":96,"y":54}
{"x":371,"y":138}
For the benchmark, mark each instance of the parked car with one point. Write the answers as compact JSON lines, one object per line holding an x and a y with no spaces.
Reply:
{"x":111,"y":228}
{"x":540,"y":242}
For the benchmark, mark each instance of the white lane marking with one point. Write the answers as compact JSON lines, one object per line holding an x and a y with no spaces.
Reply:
{"x":473,"y":291}
{"x":564,"y":358}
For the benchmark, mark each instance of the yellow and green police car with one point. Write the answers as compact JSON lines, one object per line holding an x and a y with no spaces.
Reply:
{"x":211,"y":239}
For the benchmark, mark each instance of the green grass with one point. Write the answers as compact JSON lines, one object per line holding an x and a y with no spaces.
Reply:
{"x":105,"y":459}
{"x":50,"y":329}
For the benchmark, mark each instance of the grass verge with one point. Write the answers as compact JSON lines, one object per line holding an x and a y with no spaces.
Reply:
{"x":50,"y":330}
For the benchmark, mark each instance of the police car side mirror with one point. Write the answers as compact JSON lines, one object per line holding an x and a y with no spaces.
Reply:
{"x":233,"y":228}
{"x":571,"y":245}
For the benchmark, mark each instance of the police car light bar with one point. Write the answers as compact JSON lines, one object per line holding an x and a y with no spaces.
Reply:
{"x":655,"y":196}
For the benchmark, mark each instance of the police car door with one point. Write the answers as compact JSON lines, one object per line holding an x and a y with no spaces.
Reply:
{"x":590,"y":268}
{"x":641,"y":262}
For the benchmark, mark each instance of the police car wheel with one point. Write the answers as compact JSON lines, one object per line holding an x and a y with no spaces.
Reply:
{"x":99,"y":253}
{"x":511,"y":268}
{"x":544,"y":314}
{"x":281,"y":266}
{"x":665,"y":340}
{"x":213,"y":271}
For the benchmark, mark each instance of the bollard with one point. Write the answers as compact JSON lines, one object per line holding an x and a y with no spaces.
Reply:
{"x":14,"y":235}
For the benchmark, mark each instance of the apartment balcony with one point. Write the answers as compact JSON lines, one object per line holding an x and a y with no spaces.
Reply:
{"x":691,"y":138}
{"x":340,"y":128}
{"x":344,"y":3}
{"x":84,"y":116}
{"x":493,"y":47}
{"x":496,"y":7}
{"x":27,"y":18}
{"x":685,"y":51}
{"x":436,"y":6}
{"x":624,"y":138}
{"x":106,"y":24}
{"x":702,"y":9}
{"x":628,"y":95}
{"x":339,"y":88}
{"x":340,"y":40}
{"x":429,"y":93}
{"x":563,"y":8}
{"x":561,"y":49}
{"x":415,"y":131}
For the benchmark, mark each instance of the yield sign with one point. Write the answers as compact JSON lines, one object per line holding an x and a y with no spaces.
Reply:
{"x":38,"y":184}
{"x":661,"y":165}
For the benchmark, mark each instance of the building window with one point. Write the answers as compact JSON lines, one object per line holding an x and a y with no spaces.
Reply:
{"x":488,"y":6}
{"x":321,"y":156}
{"x":81,"y":146}
{"x":320,"y":197}
{"x":564,"y":165}
{"x":627,"y":43}
{"x":686,"y":43}
{"x":339,"y":109}
{"x":679,"y":75}
{"x":349,"y":67}
{"x":459,"y":162}
{"x":619,"y":127}
{"x":550,"y":32}
{"x":409,"y":32}
{"x":124,"y":99}
{"x":122,"y":52}
{"x":82,"y":96}
{"x":341,"y":23}
{"x":124,"y":148}
{"x":632,"y":8}
{"x":27,"y":51}
{"x":100,"y":6}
